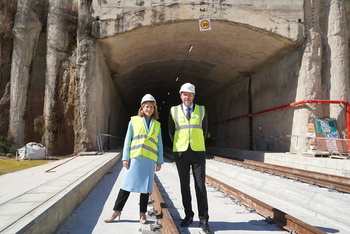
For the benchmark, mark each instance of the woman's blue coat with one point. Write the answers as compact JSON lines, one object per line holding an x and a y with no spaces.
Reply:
{"x":139,"y":176}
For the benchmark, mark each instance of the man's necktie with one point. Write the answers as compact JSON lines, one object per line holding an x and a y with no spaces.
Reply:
{"x":188,"y":113}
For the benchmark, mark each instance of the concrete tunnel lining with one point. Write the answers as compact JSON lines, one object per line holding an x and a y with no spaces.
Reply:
{"x":149,"y":59}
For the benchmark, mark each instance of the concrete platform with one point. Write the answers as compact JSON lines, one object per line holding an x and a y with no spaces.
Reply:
{"x":89,"y":216}
{"x":328,"y":165}
{"x":40,"y":199}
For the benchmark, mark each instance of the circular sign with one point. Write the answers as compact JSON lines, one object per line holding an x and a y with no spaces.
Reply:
{"x":205,"y":24}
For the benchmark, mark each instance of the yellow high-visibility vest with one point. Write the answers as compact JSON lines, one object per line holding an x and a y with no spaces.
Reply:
{"x":143,"y":144}
{"x":188,"y":132}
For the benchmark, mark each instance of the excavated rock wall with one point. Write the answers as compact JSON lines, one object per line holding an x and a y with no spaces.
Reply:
{"x":60,"y":92}
{"x":27,"y":29}
{"x":7,"y":15}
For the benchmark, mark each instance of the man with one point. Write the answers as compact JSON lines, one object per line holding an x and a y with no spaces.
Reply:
{"x":187,"y":128}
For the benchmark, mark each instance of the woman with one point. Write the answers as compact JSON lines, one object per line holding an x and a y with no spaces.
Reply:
{"x":142,"y":156}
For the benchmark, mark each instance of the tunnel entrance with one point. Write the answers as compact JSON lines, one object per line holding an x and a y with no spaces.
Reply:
{"x":158,"y":59}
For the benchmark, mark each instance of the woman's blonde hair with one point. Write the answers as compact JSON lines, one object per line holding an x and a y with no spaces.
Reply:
{"x":155,"y":112}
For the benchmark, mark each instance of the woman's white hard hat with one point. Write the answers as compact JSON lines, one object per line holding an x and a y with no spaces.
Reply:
{"x":148,"y":98}
{"x":187,"y":87}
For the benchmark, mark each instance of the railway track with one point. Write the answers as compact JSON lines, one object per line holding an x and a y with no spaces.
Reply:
{"x":164,"y":218}
{"x":271,"y":214}
{"x":332,"y":182}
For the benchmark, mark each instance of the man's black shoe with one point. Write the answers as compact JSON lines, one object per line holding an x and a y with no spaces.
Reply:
{"x":204,"y":225}
{"x":186,"y":221}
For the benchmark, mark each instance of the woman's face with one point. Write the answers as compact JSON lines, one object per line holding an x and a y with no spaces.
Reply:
{"x":148,"y":109}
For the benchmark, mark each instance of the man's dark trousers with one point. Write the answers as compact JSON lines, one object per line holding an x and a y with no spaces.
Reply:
{"x":196,"y":161}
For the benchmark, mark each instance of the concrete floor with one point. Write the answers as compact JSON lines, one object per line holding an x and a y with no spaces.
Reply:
{"x":75,"y":195}
{"x":88,"y":218}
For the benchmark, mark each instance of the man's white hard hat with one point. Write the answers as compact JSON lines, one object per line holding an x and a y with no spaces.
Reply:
{"x":148,"y":98}
{"x":187,"y":87}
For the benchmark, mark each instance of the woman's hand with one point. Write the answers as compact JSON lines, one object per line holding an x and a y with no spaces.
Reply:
{"x":126,"y":164}
{"x":158,"y":166}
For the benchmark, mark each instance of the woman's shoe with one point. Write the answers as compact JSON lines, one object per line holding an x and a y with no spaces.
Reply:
{"x":143,"y":218}
{"x":114,"y":215}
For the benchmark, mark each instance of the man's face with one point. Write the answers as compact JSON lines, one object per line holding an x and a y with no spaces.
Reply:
{"x":187,"y":98}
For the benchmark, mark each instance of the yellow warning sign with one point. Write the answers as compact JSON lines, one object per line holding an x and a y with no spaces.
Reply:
{"x":204,"y":25}
{"x":311,"y":132}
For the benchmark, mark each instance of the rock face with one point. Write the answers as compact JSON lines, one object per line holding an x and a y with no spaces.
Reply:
{"x":7,"y":11}
{"x":71,"y":70}
{"x":338,"y":59}
{"x":27,"y":29}
{"x":56,"y":66}
{"x":59,"y":102}
{"x":310,"y":78}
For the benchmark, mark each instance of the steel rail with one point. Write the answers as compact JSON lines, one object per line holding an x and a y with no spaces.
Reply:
{"x":317,"y":175}
{"x":339,"y":183}
{"x":163,"y":215}
{"x":281,"y":218}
